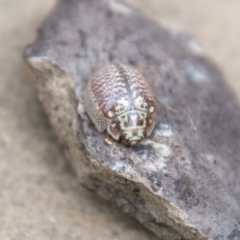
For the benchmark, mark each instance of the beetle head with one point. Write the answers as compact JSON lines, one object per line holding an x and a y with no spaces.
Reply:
{"x":131,"y":127}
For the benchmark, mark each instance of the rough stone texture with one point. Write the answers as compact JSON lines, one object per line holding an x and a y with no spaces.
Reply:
{"x":180,"y":183}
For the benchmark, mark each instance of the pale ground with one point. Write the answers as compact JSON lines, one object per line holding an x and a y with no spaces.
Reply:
{"x":40,"y":197}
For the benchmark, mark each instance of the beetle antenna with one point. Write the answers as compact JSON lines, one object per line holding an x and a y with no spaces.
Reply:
{"x":180,"y":111}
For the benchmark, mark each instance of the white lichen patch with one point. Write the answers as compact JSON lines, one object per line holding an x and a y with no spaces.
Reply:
{"x":120,"y":166}
{"x":163,"y":149}
{"x":159,"y":165}
{"x":165,"y":131}
{"x":119,"y":7}
{"x":163,"y":153}
{"x":197,"y":73}
{"x":210,"y":158}
{"x":159,"y":192}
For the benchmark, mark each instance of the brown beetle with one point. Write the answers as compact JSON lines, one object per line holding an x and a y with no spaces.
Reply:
{"x":118,"y":99}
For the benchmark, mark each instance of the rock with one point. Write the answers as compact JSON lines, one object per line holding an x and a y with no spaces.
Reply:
{"x":179,"y":183}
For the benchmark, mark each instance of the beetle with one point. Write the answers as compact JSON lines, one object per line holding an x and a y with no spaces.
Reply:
{"x":118,"y":99}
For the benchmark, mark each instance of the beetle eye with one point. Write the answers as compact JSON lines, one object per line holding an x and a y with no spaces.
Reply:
{"x":123,"y":136}
{"x":140,"y":122}
{"x":144,"y":133}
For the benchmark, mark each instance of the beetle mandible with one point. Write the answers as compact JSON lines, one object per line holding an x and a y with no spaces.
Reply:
{"x":118,"y":99}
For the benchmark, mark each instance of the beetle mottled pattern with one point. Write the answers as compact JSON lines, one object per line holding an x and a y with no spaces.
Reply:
{"x":118,"y":99}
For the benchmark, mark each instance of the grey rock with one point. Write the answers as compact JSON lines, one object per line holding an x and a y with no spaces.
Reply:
{"x":179,"y":183}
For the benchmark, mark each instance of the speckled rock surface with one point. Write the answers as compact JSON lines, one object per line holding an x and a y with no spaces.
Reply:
{"x":180,"y":183}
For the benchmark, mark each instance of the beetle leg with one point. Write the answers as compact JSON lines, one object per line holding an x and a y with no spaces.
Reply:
{"x":109,"y":140}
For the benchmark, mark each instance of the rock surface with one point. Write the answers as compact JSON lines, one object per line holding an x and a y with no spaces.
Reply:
{"x":180,"y":183}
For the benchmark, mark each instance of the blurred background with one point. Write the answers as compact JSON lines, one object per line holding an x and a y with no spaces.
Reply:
{"x":40,"y":197}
